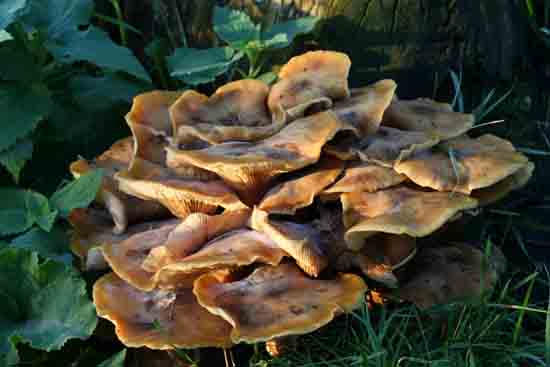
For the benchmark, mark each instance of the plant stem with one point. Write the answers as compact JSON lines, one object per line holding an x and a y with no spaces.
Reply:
{"x":120,"y":16}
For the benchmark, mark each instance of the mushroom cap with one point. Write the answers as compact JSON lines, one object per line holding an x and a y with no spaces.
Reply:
{"x":424,"y":114}
{"x":389,"y":146}
{"x":191,"y":234}
{"x":463,"y":164}
{"x":135,"y":313}
{"x":248,"y":167}
{"x":313,"y":78}
{"x":149,"y":120}
{"x":365,"y":177}
{"x":445,"y":274}
{"x":276,"y":301}
{"x":301,"y":241}
{"x":236,"y":111}
{"x":181,"y":196}
{"x":230,"y":250}
{"x":287,"y":197}
{"x":365,"y":107}
{"x":399,"y":210}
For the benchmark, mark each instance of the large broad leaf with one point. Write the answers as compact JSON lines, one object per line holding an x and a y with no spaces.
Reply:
{"x":50,"y":245}
{"x":15,"y":157}
{"x":235,"y":27}
{"x":21,"y":108}
{"x":21,"y":209}
{"x":194,"y":66}
{"x":94,"y":45}
{"x":78,"y":194}
{"x":115,"y":361}
{"x":10,"y":10}
{"x":43,"y":304}
{"x":17,"y":63}
{"x":282,"y":34}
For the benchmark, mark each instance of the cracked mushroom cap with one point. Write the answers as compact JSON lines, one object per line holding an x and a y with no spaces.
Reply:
{"x":463,"y":164}
{"x":313,"y":78}
{"x":236,"y":111}
{"x":301,"y":241}
{"x":450,"y":273}
{"x":399,"y":210}
{"x":389,"y":146}
{"x":229,"y":251}
{"x":365,"y":107}
{"x":276,"y":301}
{"x":424,"y":114}
{"x":149,"y":120}
{"x":158,"y":319}
{"x":249,"y":167}
{"x":300,"y":192}
{"x":182,"y":196}
{"x":124,"y":209}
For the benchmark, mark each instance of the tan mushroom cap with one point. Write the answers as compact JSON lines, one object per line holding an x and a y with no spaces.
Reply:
{"x":399,"y":210}
{"x":93,"y":229}
{"x":181,"y":196}
{"x":463,"y":164}
{"x":494,"y":193}
{"x":249,"y":167}
{"x":124,"y":209}
{"x":236,"y":111}
{"x":301,"y":241}
{"x":191,"y":234}
{"x":424,"y":114}
{"x":149,"y":120}
{"x":276,"y":301}
{"x":389,"y":146}
{"x":366,"y":177}
{"x":230,"y":250}
{"x":300,"y":192}
{"x":446,"y":274}
{"x":365,"y":107}
{"x":313,"y":78}
{"x":158,"y":319}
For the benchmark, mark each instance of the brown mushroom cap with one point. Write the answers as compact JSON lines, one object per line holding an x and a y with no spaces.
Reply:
{"x":137,"y":316}
{"x":388,"y":145}
{"x":445,"y":274}
{"x":300,"y":192}
{"x":365,"y":107}
{"x":316,"y":77}
{"x":230,"y":250}
{"x":124,"y":209}
{"x":180,"y":195}
{"x":191,"y":234}
{"x":424,"y":114}
{"x":275,"y":301}
{"x":463,"y":164}
{"x":248,"y":167}
{"x":301,"y":241}
{"x":366,"y":177}
{"x":399,"y":210}
{"x":236,"y":111}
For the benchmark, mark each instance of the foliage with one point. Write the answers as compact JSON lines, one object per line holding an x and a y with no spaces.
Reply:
{"x":115,"y":361}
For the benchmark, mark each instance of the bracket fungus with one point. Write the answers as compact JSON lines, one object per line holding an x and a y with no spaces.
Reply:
{"x":260,"y":213}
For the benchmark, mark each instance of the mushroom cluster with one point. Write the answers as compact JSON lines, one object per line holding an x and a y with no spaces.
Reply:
{"x":262,"y":212}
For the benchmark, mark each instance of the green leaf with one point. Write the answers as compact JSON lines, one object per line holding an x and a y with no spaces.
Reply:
{"x":194,"y":66}
{"x":268,"y":78}
{"x":15,"y":157}
{"x":10,"y":10}
{"x":43,"y":304}
{"x":94,"y":46}
{"x":282,"y":34}
{"x":18,"y":63}
{"x":235,"y":27}
{"x":21,"y":108}
{"x":5,"y":36}
{"x":78,"y":194}
{"x":21,"y":209}
{"x":115,"y":361}
{"x":50,"y":245}
{"x":102,"y":93}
